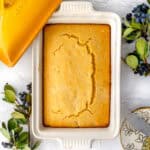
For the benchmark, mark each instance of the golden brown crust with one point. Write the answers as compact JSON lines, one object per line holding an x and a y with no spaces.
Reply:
{"x":77,"y":75}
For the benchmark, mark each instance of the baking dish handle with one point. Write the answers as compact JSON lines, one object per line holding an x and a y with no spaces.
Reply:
{"x":75,"y":7}
{"x":83,"y":144}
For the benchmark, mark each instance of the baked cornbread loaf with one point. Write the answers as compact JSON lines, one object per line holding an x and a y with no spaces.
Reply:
{"x":77,"y":75}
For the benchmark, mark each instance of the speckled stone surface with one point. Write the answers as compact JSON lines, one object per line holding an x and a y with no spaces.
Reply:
{"x":134,"y":89}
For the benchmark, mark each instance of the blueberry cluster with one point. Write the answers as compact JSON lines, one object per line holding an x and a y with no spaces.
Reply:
{"x":7,"y":145}
{"x":136,"y":29}
{"x":143,"y":69}
{"x":22,"y":96}
{"x":29,"y":88}
{"x":25,"y":97}
{"x":141,"y":13}
{"x":141,"y":8}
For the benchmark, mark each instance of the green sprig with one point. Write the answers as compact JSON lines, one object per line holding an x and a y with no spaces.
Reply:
{"x":136,"y":28}
{"x":13,"y":130}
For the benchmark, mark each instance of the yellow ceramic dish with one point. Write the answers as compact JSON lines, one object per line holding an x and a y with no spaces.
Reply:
{"x":20,"y":21}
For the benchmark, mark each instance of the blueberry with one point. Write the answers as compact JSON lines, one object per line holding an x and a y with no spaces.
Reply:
{"x":135,"y":72}
{"x":129,"y":41}
{"x":7,"y":145}
{"x":142,"y":20}
{"x":139,"y":71}
{"x":141,"y":8}
{"x":29,"y":87}
{"x":137,"y":20}
{"x":143,"y":69}
{"x":129,"y":17}
{"x":123,"y":26}
{"x":22,"y":96}
{"x":144,"y":8}
{"x":24,"y":92}
{"x":136,"y":9}
{"x":145,"y":36}
{"x":143,"y":15}
{"x":137,"y":15}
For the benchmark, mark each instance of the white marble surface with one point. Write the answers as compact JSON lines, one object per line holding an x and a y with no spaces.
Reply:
{"x":134,"y":89}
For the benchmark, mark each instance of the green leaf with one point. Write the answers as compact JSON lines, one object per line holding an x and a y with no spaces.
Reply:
{"x":134,"y":36}
{"x":10,"y":96}
{"x":4,"y":125}
{"x":12,"y":124}
{"x":138,"y":34}
{"x":20,"y":108}
{"x":28,"y":98}
{"x":22,"y":121}
{"x":132,"y":61}
{"x":26,"y":147}
{"x":135,"y":25}
{"x":148,"y":1}
{"x":5,"y":133}
{"x":128,"y":31}
{"x":12,"y":134}
{"x":142,"y":48}
{"x":9,"y":87}
{"x":21,"y":146}
{"x":17,"y":115}
{"x":127,"y":24}
{"x":22,"y":139}
{"x":18,"y":130}
{"x":36,"y":145}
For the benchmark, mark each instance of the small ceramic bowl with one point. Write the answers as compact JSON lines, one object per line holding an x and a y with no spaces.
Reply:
{"x":132,"y":139}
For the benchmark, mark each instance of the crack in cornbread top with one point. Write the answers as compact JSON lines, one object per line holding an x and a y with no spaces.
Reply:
{"x":82,"y":44}
{"x":88,"y":51}
{"x":93,"y":60}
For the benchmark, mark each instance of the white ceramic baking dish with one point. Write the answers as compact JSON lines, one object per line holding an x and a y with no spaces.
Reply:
{"x":78,"y":12}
